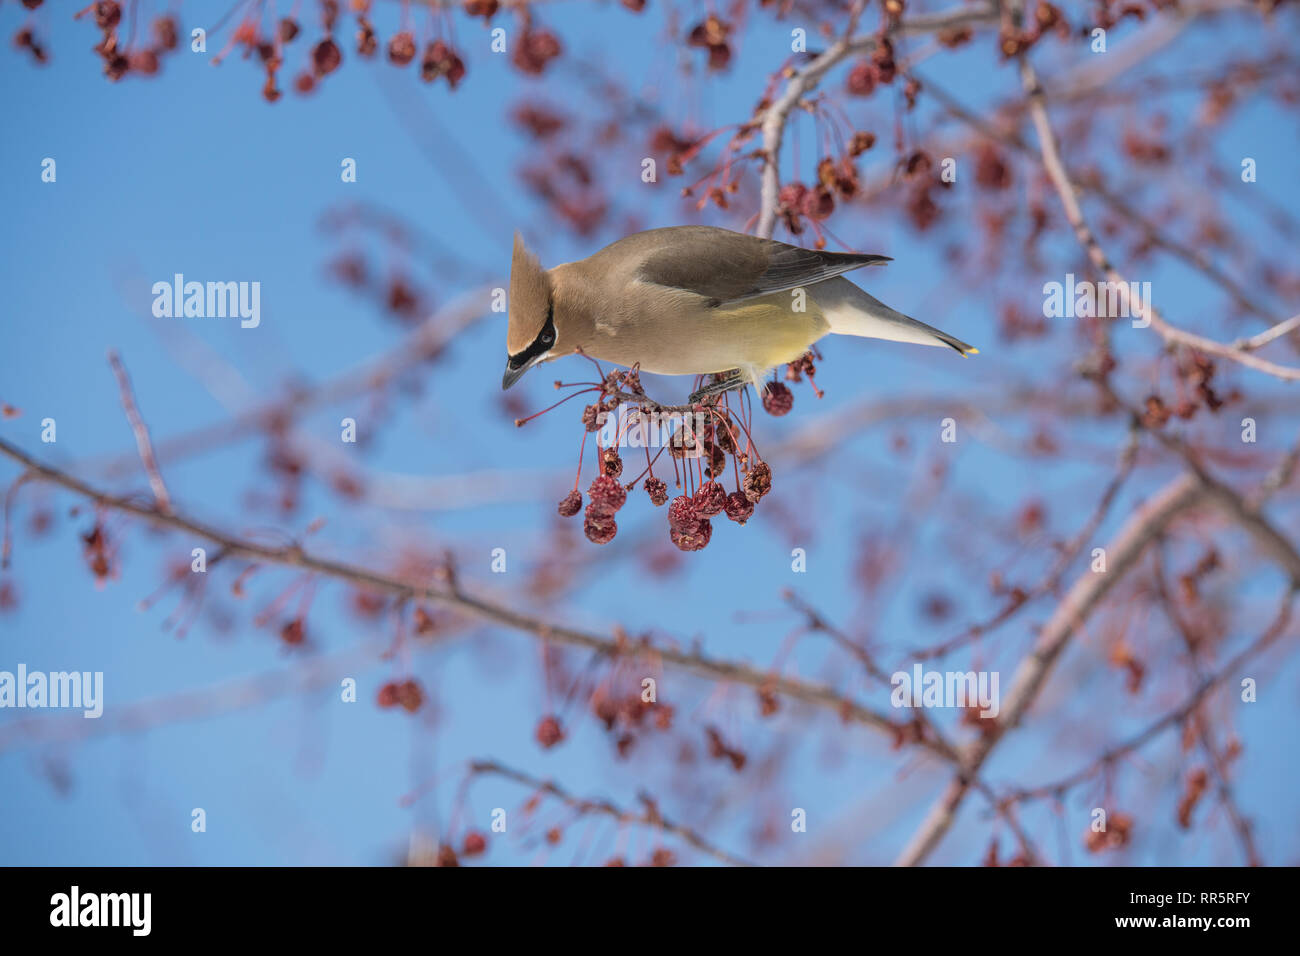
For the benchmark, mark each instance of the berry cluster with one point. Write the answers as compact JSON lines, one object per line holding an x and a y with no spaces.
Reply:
{"x":405,"y":694}
{"x":708,"y":437}
{"x":265,"y":40}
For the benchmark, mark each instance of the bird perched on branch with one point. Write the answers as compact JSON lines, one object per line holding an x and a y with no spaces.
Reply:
{"x":696,"y":300}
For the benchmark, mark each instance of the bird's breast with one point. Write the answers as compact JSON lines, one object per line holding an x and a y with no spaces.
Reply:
{"x":683,"y":336}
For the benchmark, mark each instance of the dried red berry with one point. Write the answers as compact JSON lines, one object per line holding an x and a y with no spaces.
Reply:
{"x":475,"y":843}
{"x":694,"y":540}
{"x":326,"y":57}
{"x":144,"y":61}
{"x":861,"y":142}
{"x":862,"y":78}
{"x":739,"y":508}
{"x":684,"y":443}
{"x":682,"y":515}
{"x":481,"y":8}
{"x":166,"y":33}
{"x":441,"y":60}
{"x":758,"y":482}
{"x":818,"y":203}
{"x":709,"y":500}
{"x":535,"y":49}
{"x":367,"y":41}
{"x":116,"y":66}
{"x":401,"y":48}
{"x":329,"y":13}
{"x":293,"y":633}
{"x":610,"y":463}
{"x":288,"y":29}
{"x":716,"y":460}
{"x":388,"y":695}
{"x":549,"y":732}
{"x":791,"y":195}
{"x":777,"y":399}
{"x":606,"y":494}
{"x":599,"y":526}
{"x":657,"y":490}
{"x":446,"y":856}
{"x":571,"y":504}
{"x":882,"y":57}
{"x":409,"y":696}
{"x":108,"y":13}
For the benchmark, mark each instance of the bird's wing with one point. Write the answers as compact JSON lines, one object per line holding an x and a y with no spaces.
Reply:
{"x":729,"y":267}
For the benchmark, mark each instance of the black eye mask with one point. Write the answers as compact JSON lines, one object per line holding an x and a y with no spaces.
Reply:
{"x":545,"y":339}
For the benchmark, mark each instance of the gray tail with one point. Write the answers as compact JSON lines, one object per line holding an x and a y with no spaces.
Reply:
{"x":850,"y":311}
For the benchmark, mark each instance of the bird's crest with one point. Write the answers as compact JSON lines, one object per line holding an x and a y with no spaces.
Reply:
{"x":530,"y":299}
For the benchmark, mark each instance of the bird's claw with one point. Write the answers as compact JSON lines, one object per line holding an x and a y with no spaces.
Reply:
{"x":717,"y":387}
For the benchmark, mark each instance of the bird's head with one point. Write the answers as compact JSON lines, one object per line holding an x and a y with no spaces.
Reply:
{"x":530,"y":334}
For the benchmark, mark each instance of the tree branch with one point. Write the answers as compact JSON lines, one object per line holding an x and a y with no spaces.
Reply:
{"x":650,"y":817}
{"x":805,"y":81}
{"x":692,"y":662}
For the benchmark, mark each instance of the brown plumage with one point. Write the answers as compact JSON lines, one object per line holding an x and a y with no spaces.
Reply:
{"x":691,"y":300}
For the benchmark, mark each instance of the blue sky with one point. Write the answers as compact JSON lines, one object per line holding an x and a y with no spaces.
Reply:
{"x":193,"y":173}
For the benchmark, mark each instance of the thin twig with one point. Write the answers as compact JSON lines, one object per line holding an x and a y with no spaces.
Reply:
{"x":1069,"y":196}
{"x":1058,"y":788}
{"x":141,"y":432}
{"x":804,"y":81}
{"x":650,"y":817}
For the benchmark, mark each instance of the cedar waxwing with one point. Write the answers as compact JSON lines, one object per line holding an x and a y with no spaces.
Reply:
{"x":694,"y":300}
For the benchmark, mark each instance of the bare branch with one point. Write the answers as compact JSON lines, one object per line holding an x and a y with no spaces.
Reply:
{"x":1069,"y":195}
{"x":804,"y":81}
{"x":141,"y":432}
{"x":650,"y":817}
{"x":1142,"y":527}
{"x":1231,"y":667}
{"x":693,"y":662}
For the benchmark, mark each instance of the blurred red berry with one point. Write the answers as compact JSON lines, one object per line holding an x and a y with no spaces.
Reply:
{"x":549,"y":732}
{"x":107,"y":14}
{"x":326,"y":57}
{"x":401,"y":48}
{"x":777,"y":399}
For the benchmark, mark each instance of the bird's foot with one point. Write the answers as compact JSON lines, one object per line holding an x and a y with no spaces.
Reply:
{"x":719,"y":385}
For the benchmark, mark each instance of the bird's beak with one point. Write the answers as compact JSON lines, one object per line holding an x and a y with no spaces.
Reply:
{"x":513,"y":374}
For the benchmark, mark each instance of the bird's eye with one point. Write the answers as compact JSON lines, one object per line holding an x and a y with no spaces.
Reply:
{"x":548,"y":337}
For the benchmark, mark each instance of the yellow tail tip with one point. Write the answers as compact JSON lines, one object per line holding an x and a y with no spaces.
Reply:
{"x":970,"y":351}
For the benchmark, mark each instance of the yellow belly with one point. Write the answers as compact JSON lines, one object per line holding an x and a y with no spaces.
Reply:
{"x":759,"y":334}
